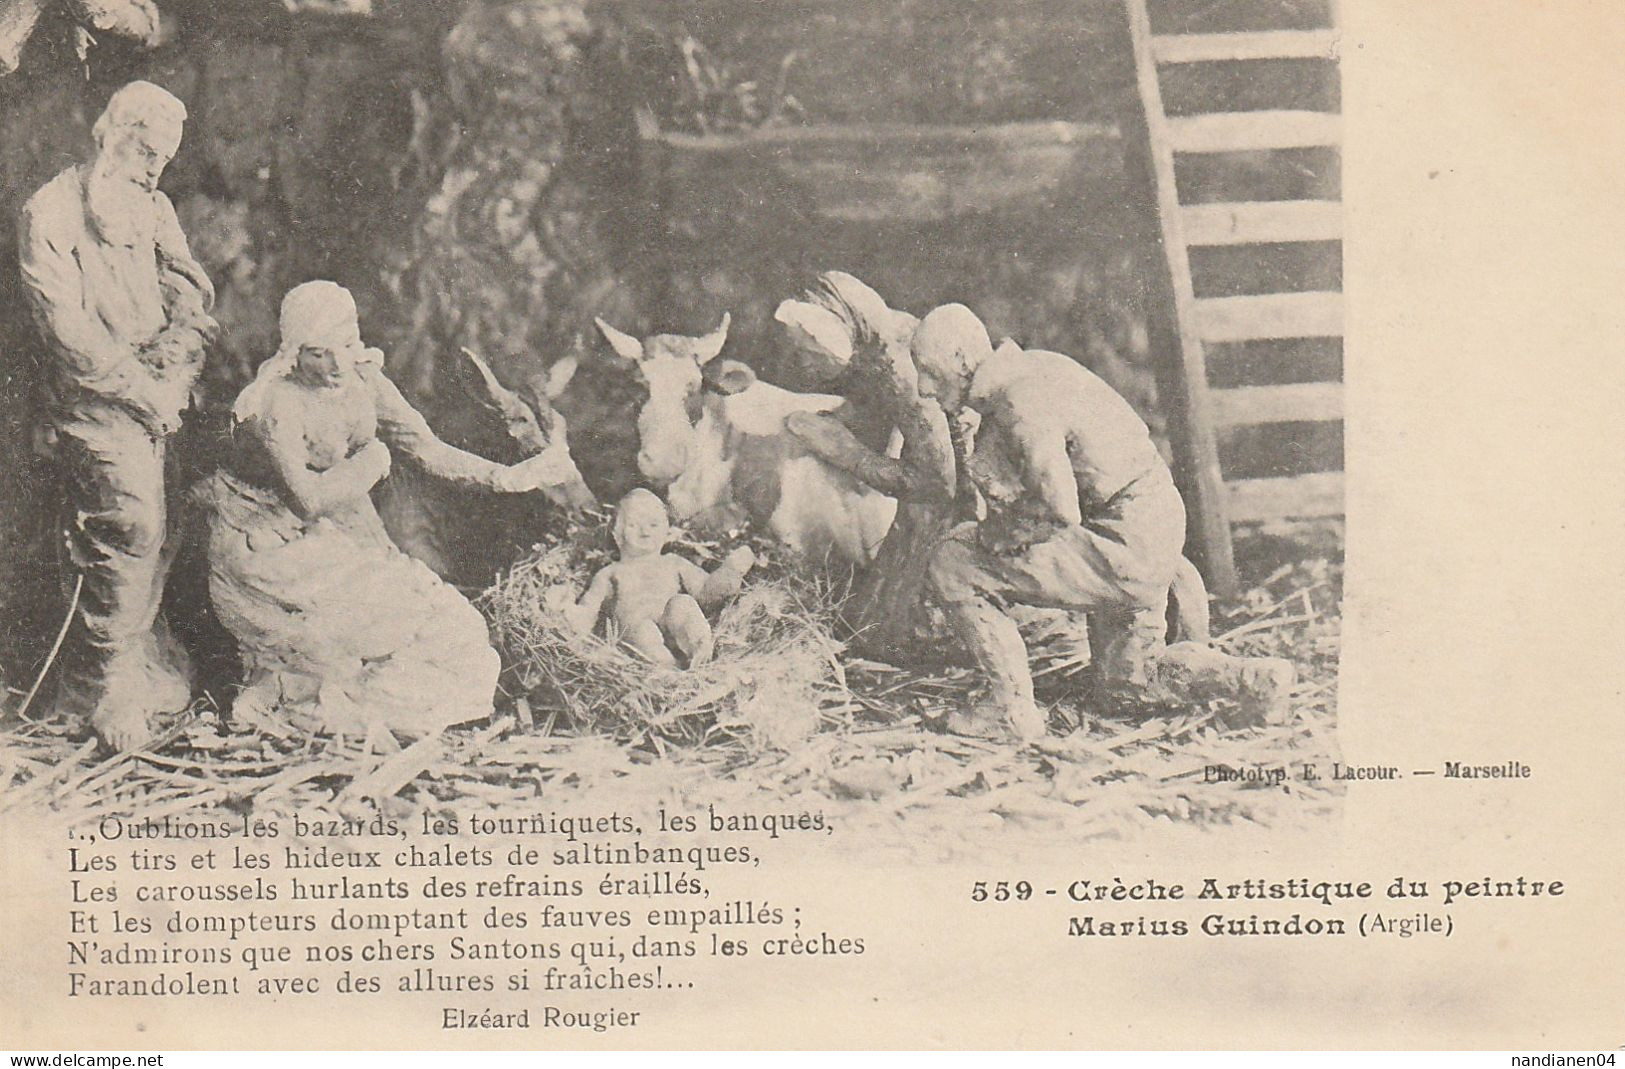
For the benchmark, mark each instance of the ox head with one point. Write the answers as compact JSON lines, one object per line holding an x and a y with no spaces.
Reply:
{"x":745,"y":407}
{"x":671,"y":366}
{"x":533,"y":423}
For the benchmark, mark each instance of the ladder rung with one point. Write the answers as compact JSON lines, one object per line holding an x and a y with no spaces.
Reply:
{"x":1288,"y":403}
{"x":1303,"y":496}
{"x":1256,"y":222}
{"x":1252,"y":131}
{"x":1272,"y":315}
{"x":1269,"y":44}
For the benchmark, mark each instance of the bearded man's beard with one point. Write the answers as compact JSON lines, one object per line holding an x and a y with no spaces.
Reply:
{"x":121,"y":208}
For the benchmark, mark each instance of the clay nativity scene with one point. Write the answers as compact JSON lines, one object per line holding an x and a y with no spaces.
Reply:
{"x":412,"y":402}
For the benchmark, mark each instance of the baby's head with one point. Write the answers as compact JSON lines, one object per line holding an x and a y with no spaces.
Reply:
{"x":641,"y":524}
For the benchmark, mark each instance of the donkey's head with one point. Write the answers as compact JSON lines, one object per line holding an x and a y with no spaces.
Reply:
{"x":533,"y":423}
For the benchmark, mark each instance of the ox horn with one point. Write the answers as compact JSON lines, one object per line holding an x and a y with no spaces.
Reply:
{"x":707,"y":347}
{"x":625,"y":346}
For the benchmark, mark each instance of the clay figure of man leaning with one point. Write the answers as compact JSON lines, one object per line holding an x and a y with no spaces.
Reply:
{"x":124,"y":310}
{"x":1080,"y":513}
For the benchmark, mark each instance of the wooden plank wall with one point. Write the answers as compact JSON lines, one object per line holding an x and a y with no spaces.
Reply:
{"x":1257,"y":271}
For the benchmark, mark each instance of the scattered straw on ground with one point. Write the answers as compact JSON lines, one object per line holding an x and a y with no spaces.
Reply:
{"x":875,"y":762}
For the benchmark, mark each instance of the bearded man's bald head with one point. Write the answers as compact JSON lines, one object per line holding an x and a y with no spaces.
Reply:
{"x":948,"y":346}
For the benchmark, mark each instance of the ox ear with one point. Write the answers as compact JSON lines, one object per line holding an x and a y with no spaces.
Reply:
{"x":559,"y":376}
{"x":625,"y":346}
{"x":731,"y":377}
{"x":706,"y":348}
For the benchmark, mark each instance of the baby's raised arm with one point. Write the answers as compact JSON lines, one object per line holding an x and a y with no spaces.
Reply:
{"x":583,"y":615}
{"x":722,"y":583}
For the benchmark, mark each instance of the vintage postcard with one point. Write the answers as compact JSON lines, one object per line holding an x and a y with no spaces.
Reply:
{"x":541,"y":524}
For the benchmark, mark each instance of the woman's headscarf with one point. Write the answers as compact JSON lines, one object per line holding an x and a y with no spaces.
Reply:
{"x":319,"y":314}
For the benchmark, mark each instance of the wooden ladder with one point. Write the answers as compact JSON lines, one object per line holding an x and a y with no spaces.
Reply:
{"x":1198,"y":413}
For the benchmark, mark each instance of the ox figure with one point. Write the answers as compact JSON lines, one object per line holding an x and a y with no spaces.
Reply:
{"x":714,"y":439}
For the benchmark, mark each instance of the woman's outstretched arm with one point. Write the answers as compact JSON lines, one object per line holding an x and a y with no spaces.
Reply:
{"x":405,"y":429}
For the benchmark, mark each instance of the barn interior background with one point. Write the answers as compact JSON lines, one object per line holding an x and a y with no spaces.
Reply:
{"x":494,"y":173}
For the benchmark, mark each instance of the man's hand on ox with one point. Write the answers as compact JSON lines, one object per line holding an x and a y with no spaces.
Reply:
{"x":828,"y":439}
{"x":834,"y":443}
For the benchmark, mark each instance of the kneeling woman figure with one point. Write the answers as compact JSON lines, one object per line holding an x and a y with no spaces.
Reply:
{"x":339,"y":630}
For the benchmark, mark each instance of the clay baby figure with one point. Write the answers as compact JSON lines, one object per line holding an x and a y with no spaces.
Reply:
{"x":653,"y":600}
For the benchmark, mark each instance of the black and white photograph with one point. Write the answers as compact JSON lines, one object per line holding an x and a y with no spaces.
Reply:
{"x":965,"y":376}
{"x":474,"y":466}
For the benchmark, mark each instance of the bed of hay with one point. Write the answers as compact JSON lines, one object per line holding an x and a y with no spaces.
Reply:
{"x":783,"y":719}
{"x":776,"y":670}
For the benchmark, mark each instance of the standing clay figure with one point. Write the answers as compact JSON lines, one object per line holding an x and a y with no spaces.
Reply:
{"x":124,"y":308}
{"x":654,"y":600}
{"x":1082,"y":514}
{"x":339,"y":630}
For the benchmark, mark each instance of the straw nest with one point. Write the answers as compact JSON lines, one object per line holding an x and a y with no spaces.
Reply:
{"x":775,"y":673}
{"x":880,"y":766}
